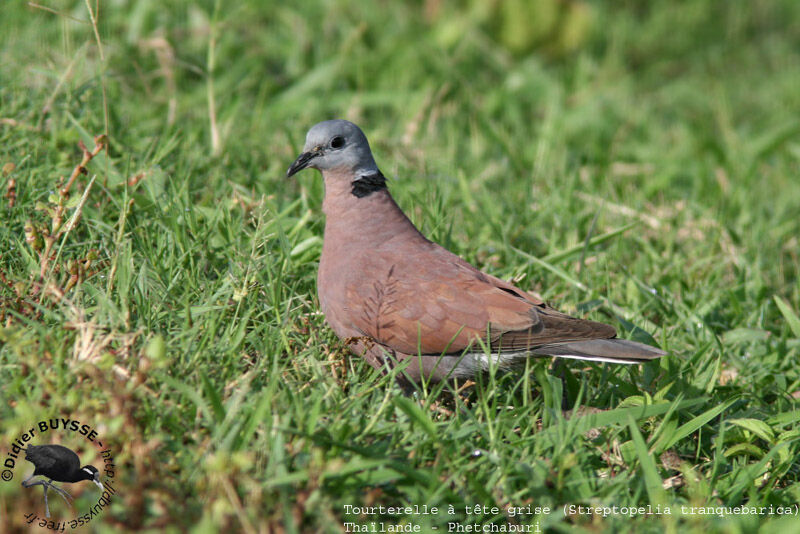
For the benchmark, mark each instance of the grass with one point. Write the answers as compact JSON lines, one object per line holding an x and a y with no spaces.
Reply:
{"x":636,"y":165}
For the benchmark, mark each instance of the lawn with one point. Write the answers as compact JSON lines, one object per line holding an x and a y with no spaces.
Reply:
{"x":635,"y":164}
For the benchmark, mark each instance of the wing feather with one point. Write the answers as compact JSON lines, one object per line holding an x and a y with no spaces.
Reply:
{"x":444,"y":305}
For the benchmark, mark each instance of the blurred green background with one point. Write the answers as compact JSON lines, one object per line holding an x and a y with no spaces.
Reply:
{"x":634,"y":162}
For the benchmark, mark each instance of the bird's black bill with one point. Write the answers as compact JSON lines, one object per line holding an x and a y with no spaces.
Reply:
{"x":301,"y":163}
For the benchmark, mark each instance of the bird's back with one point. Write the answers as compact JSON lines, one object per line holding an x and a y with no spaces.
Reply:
{"x":50,"y":460}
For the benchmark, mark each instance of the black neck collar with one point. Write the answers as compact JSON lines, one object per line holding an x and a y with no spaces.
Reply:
{"x":366,"y":184}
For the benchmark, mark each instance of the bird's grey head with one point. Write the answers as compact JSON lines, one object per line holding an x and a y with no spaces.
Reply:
{"x":336,"y":144}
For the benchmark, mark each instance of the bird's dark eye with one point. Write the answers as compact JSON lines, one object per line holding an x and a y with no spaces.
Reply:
{"x":337,"y":142}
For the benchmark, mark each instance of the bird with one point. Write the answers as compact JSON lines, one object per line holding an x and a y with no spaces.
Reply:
{"x":58,"y":464}
{"x":396,"y":298}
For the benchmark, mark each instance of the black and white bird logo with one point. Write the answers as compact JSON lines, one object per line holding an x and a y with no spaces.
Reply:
{"x":57,"y":464}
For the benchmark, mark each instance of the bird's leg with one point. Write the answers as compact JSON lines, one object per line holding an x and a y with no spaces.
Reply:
{"x":61,"y":491}
{"x":46,"y":504}
{"x":47,"y":484}
{"x":44,"y":485}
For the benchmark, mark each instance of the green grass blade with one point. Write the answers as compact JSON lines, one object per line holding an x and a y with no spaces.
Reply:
{"x":697,"y":422}
{"x":791,"y":317}
{"x":652,"y":480}
{"x":416,"y":415}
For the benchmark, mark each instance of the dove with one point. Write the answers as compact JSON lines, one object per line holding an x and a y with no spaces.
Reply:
{"x":396,"y":298}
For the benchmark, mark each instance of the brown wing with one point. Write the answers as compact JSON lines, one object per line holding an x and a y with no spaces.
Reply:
{"x":557,"y":328}
{"x":437,"y":303}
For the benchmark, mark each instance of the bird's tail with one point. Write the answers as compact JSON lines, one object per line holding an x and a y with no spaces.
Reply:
{"x":602,"y":350}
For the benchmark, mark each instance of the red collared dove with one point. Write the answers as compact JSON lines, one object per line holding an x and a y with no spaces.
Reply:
{"x":394,"y":296}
